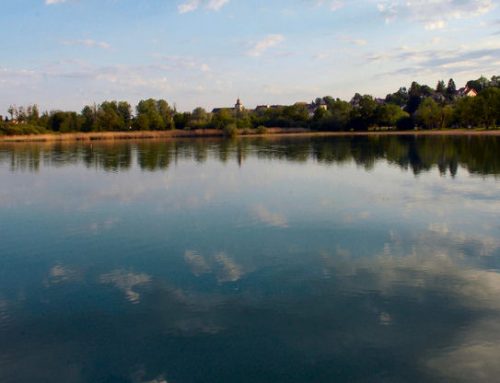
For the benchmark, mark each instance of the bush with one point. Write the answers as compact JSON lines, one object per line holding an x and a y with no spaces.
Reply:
{"x":21,"y":129}
{"x":261,"y":129}
{"x":230,"y":130}
{"x":405,"y":123}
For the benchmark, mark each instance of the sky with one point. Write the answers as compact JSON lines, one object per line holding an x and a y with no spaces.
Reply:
{"x":64,"y":54}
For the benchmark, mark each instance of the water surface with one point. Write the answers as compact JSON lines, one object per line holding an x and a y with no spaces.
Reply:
{"x":366,"y":259}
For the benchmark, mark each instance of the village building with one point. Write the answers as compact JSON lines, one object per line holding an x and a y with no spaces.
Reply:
{"x":313,"y":106}
{"x":261,"y":108}
{"x":239,"y":107}
{"x":467,"y":92}
{"x":322,"y":105}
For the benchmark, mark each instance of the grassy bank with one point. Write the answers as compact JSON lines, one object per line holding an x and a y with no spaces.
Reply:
{"x":98,"y":136}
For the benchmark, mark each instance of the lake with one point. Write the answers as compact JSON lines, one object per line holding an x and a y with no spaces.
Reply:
{"x":286,"y":259}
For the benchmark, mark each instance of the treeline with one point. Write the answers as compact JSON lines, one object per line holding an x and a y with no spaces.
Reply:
{"x":477,"y":105}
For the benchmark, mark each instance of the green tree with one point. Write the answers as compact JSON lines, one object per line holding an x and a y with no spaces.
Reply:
{"x":181,"y":120}
{"x":488,"y":105}
{"x":465,"y":114}
{"x":166,"y":113}
{"x":125,"y":113}
{"x":414,"y":98}
{"x":441,"y":87}
{"x":12,"y":111}
{"x":149,"y":117}
{"x":109,"y":118}
{"x":363,"y":112}
{"x":399,"y":98}
{"x":199,"y":118}
{"x":429,"y":114}
{"x":388,"y":115}
{"x":222,"y":118}
{"x":451,"y":89}
{"x":64,"y":122}
{"x":89,"y":118}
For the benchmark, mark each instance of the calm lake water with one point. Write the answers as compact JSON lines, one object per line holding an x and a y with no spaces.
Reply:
{"x":259,"y":260}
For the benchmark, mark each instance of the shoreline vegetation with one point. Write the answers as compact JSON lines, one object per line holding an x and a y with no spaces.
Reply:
{"x":214,"y":133}
{"x":472,"y":109}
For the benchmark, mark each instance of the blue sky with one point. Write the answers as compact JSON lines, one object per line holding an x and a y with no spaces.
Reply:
{"x":68,"y":53}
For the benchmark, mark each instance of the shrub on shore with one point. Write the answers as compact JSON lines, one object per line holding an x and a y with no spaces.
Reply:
{"x":230,"y":130}
{"x":21,"y":129}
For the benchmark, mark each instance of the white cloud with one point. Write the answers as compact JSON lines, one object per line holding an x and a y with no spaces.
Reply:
{"x":353,"y":41}
{"x":450,"y":61}
{"x":333,"y":5}
{"x":188,"y":6}
{"x":266,"y":43}
{"x":433,"y":14}
{"x":216,"y":4}
{"x":169,"y":63}
{"x":88,"y":43}
{"x":192,"y":5}
{"x":51,"y":2}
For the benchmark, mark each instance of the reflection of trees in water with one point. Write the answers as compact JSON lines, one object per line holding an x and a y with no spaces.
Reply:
{"x":109,"y":157}
{"x":29,"y":160}
{"x":30,"y":157}
{"x":154,"y":156}
{"x":477,"y":154}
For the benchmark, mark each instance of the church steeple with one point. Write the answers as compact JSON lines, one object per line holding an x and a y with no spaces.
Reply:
{"x":238,"y":106}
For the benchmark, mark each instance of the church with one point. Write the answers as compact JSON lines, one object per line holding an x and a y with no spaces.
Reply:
{"x":238,"y":107}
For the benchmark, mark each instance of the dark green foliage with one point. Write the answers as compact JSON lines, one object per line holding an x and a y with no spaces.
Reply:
{"x":363,"y":112}
{"x":419,"y":105}
{"x":64,"y":122}
{"x":261,"y":129}
{"x":11,"y":130}
{"x":222,"y":118}
{"x":112,"y":116}
{"x":230,"y":130}
{"x":154,"y":115}
{"x":441,"y":87}
{"x":451,"y":89}
{"x":388,"y":115}
{"x":481,"y":111}
{"x":399,"y":98}
{"x":181,"y":120}
{"x":199,"y":119}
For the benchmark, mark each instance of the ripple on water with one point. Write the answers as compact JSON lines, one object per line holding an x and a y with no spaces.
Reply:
{"x":5,"y":317}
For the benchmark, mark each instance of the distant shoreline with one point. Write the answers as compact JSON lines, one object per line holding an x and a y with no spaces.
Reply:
{"x":202,"y":133}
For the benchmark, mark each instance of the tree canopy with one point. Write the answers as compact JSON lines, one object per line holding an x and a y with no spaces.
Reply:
{"x":417,"y":106}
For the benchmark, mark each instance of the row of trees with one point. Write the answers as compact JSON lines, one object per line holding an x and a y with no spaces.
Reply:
{"x":108,"y":116}
{"x":419,"y":106}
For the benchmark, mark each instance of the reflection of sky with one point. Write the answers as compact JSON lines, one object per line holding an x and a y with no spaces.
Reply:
{"x":272,"y":271}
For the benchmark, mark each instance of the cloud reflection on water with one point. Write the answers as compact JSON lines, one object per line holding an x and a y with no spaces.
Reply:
{"x":126,"y":281}
{"x":378,"y":276}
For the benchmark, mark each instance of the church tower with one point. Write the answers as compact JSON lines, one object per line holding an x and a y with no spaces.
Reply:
{"x":238,"y":107}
